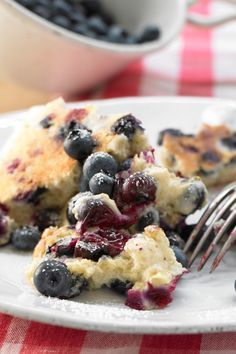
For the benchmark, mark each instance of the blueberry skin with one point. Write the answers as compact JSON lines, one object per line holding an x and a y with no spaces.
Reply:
{"x":180,"y":256}
{"x":52,"y":278}
{"x":79,"y":144}
{"x":170,"y":131}
{"x":150,"y":218}
{"x":42,"y":11}
{"x":100,"y":162}
{"x":69,"y":214}
{"x":150,"y":33}
{"x":26,"y":238}
{"x":62,"y":21}
{"x":101,"y":183}
{"x":127,"y":125}
{"x":175,"y":239}
{"x":83,"y":184}
{"x":120,"y":286}
{"x":96,"y":24}
{"x":125,"y":165}
{"x":116,"y":34}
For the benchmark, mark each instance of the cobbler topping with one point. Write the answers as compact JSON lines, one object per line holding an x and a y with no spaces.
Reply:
{"x":170,"y":131}
{"x":127,"y":125}
{"x":69,"y":126}
{"x":13,"y":166}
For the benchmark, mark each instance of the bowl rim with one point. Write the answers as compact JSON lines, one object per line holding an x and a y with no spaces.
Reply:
{"x":124,"y":49}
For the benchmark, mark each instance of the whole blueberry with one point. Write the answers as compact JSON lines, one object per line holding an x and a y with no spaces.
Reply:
{"x":180,"y":256}
{"x":151,"y":217}
{"x":150,"y":33}
{"x":125,"y":165}
{"x":52,"y":278}
{"x":61,"y":21}
{"x":46,"y":217}
{"x":26,"y":237}
{"x":175,"y":239}
{"x":121,"y":287}
{"x":83,"y":184}
{"x":116,"y":34}
{"x":42,"y":11}
{"x":127,"y":125}
{"x":70,"y":216}
{"x":96,"y":24}
{"x":139,"y":188}
{"x":71,"y":125}
{"x":79,"y":144}
{"x":101,"y":183}
{"x":62,"y":7}
{"x":100,"y":162}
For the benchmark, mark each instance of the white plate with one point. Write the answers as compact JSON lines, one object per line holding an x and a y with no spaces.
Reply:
{"x":202,"y":302}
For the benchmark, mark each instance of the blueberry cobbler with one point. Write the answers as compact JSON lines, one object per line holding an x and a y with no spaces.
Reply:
{"x":210,"y":154}
{"x":86,"y":191}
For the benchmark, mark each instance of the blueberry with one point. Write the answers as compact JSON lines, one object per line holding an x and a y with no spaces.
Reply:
{"x":61,"y":21}
{"x":192,"y":198}
{"x":125,"y":165}
{"x":151,"y":217}
{"x":77,"y":17}
{"x":127,"y":125}
{"x":92,"y":6}
{"x":83,"y":184}
{"x":26,"y":3}
{"x":46,"y":122}
{"x":175,"y":239}
{"x":96,"y":24}
{"x":91,"y":250}
{"x":64,"y":247}
{"x":210,"y":156}
{"x":121,"y":287}
{"x":62,"y":7}
{"x":150,"y":33}
{"x":170,"y":131}
{"x":42,"y":11}
{"x":116,"y":34}
{"x":230,"y":141}
{"x":79,"y":144}
{"x":46,"y":218}
{"x":100,"y":162}
{"x":26,"y":237}
{"x":81,"y":28}
{"x":139,"y":187}
{"x":101,"y":183}
{"x":180,"y":256}
{"x":131,"y":39}
{"x":70,"y":216}
{"x":52,"y":278}
{"x":69,"y":126}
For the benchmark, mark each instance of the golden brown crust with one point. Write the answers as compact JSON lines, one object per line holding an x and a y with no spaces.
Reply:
{"x":190,"y":155}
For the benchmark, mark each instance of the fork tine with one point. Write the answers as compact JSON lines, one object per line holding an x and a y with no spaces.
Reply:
{"x":220,"y":212}
{"x":208,"y":212}
{"x":218,"y":236}
{"x":230,"y":241}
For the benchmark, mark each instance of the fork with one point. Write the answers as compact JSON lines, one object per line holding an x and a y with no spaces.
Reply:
{"x":224,"y":203}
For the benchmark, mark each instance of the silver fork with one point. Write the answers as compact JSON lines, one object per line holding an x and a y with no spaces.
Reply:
{"x":224,"y":203}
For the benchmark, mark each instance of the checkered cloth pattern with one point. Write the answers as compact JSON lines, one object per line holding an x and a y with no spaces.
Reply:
{"x":199,"y":63}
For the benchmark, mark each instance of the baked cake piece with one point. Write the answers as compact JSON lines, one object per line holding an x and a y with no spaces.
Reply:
{"x":37,"y":177}
{"x":142,"y":266}
{"x":210,"y":154}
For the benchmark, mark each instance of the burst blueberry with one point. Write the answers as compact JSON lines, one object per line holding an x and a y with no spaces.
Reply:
{"x":139,"y":188}
{"x":127,"y":125}
{"x":121,"y":287}
{"x":151,"y":217}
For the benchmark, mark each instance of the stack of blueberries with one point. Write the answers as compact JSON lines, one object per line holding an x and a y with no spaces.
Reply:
{"x":88,"y":18}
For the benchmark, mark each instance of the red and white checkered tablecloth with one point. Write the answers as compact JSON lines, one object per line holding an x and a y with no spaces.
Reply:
{"x":199,"y":63}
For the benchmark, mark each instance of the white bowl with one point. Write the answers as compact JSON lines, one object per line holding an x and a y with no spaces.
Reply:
{"x":39,"y":54}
